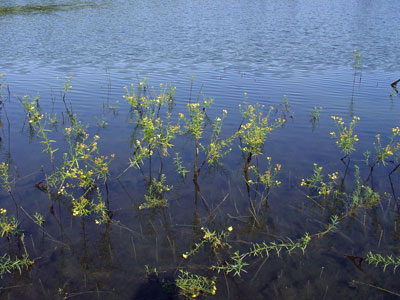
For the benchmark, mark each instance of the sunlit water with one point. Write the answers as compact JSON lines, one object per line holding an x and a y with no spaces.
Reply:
{"x":220,"y":49}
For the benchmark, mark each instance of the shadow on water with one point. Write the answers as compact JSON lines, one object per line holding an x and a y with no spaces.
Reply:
{"x":31,"y":9}
{"x":156,"y":288}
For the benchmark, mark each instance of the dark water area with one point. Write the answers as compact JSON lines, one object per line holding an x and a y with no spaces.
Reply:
{"x":263,"y":52}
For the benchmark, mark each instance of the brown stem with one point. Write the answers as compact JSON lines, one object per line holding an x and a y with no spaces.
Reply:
{"x":196,"y":171}
{"x":246,"y":171}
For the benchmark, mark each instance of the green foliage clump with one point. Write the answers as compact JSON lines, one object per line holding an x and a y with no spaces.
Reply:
{"x":155,"y":197}
{"x":269,"y":178}
{"x":344,"y":135}
{"x":255,"y":127}
{"x":192,"y":285}
{"x":179,"y":166}
{"x":315,"y":113}
{"x":379,"y":259}
{"x":9,"y":225}
{"x":317,"y":185}
{"x":9,"y":265}
{"x":215,"y":239}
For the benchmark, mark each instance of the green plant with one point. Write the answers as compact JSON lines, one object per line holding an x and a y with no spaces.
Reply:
{"x":316,"y":183}
{"x":357,"y":58}
{"x":383,"y":152}
{"x":9,"y":265}
{"x":9,"y":225}
{"x":285,"y":108}
{"x":236,"y":263}
{"x":195,"y":124}
{"x":345,"y":137}
{"x":330,"y":227}
{"x":255,"y":127}
{"x":253,"y":130}
{"x":216,"y":240}
{"x":102,"y":123}
{"x":362,"y":195}
{"x":269,"y":179}
{"x":192,"y":285}
{"x":156,"y":134}
{"x":315,"y":113}
{"x":179,"y":166}
{"x":155,"y":194}
{"x":81,"y":167}
{"x":5,"y":179}
{"x":39,"y":123}
{"x":38,"y":218}
{"x":379,"y":259}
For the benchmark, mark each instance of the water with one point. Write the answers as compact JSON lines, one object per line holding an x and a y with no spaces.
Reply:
{"x":220,"y":49}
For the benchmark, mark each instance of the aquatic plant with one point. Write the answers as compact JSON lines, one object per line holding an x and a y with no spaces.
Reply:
{"x":156,"y":134}
{"x":145,"y":105}
{"x":269,"y":179}
{"x":357,"y":58}
{"x":9,"y":225}
{"x":38,"y":219}
{"x":9,"y":265}
{"x":81,"y":166}
{"x":378,"y":259}
{"x":362,"y":195}
{"x":315,"y":113}
{"x":344,"y":135}
{"x":39,"y":122}
{"x":317,"y":185}
{"x":252,"y":132}
{"x":215,"y":239}
{"x":192,"y":285}
{"x":4,"y":176}
{"x":255,"y":127}
{"x":285,"y":108}
{"x":195,"y":123}
{"x":236,"y":263}
{"x":179,"y":165}
{"x":79,"y":173}
{"x":155,"y":197}
{"x":383,"y":153}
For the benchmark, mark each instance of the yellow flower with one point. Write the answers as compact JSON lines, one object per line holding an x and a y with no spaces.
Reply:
{"x":3,"y":211}
{"x":185,"y":256}
{"x":230,"y":228}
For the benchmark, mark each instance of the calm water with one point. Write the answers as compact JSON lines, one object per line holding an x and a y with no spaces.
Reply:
{"x":222,"y":49}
